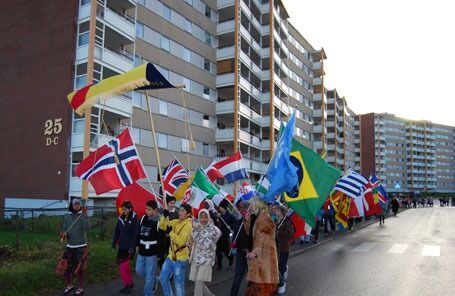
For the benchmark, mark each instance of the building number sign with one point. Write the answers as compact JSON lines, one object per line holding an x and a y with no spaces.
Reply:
{"x":52,"y":128}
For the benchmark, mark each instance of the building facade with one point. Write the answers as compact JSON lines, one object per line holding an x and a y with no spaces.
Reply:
{"x":265,"y":72}
{"x":407,"y":155}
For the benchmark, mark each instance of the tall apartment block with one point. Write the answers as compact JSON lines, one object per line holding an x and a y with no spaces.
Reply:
{"x":243,"y":65}
{"x":339,"y":138}
{"x":265,"y":71}
{"x":407,"y":155}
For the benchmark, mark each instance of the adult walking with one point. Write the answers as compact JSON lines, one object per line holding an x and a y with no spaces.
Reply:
{"x":262,"y":260}
{"x":395,"y":206}
{"x":241,"y":246}
{"x":75,"y":226}
{"x":285,"y":231}
{"x":205,"y":235}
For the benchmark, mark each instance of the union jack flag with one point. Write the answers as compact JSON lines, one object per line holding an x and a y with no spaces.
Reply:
{"x":112,"y":166}
{"x":173,"y":175}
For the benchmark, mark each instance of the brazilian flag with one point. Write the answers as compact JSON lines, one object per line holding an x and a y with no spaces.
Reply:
{"x":316,"y":180}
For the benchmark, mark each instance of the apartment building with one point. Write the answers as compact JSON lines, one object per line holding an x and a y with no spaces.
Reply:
{"x":265,"y":72}
{"x":339,"y":133}
{"x":407,"y":155}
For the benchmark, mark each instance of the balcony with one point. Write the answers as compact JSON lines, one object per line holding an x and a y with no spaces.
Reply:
{"x":317,"y":97}
{"x":77,"y":141}
{"x":225,"y":80}
{"x":225,"y":3}
{"x":250,"y":139}
{"x":115,"y":60}
{"x":118,"y":104}
{"x":317,"y":81}
{"x":225,"y":53}
{"x":225,"y":27}
{"x":120,"y":23}
{"x":224,"y":135}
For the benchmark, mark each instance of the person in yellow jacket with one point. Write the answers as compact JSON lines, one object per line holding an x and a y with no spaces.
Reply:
{"x":177,"y":261}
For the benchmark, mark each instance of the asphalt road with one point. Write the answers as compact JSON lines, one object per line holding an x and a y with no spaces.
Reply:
{"x":412,"y":254}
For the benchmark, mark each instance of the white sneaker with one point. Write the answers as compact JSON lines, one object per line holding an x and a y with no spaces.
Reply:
{"x":285,"y":275}
{"x":282,"y":290}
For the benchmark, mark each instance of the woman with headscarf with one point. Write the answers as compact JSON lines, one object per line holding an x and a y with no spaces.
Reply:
{"x":262,"y":260}
{"x":205,"y":235}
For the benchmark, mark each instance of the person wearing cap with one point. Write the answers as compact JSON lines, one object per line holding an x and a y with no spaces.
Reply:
{"x":75,"y":227}
{"x":226,"y":222}
{"x":125,"y":237}
{"x":205,"y":235}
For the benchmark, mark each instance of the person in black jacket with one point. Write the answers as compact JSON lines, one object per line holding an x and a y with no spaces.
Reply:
{"x":148,"y":243}
{"x":226,"y":221}
{"x":125,"y":237}
{"x":241,"y":245}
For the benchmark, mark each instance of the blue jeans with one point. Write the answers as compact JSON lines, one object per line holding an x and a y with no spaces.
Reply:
{"x":146,"y":268}
{"x":241,"y":265}
{"x":178,"y":268}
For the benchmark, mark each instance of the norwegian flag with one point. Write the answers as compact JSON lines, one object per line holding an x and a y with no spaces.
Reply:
{"x":112,"y":166}
{"x":173,"y":175}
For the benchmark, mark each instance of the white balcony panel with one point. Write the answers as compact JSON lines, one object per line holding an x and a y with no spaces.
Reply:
{"x":84,"y":12}
{"x":225,"y":79}
{"x":118,"y":104}
{"x":82,"y":53}
{"x":317,"y":66}
{"x":116,"y":60}
{"x":120,"y":23}
{"x":224,"y":134}
{"x":225,"y":27}
{"x":225,"y":53}
{"x":317,"y":81}
{"x":317,"y":113}
{"x":317,"y":97}
{"x":225,"y":3}
{"x":77,"y":141}
{"x":225,"y":107}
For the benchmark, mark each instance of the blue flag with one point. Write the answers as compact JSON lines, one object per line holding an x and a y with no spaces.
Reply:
{"x":281,"y":173}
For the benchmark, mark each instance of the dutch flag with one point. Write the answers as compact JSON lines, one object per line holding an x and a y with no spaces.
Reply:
{"x":230,"y":168}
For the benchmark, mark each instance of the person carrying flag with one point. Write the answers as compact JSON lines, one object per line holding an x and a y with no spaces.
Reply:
{"x":76,"y":225}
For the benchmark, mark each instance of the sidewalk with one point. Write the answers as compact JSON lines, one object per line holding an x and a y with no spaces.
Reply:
{"x":224,"y":276}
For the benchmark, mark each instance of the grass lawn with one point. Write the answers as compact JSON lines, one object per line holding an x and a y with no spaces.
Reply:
{"x":27,"y":263}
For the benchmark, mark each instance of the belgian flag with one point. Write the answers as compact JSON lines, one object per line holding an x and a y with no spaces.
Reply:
{"x":316,"y":180}
{"x":143,"y":77}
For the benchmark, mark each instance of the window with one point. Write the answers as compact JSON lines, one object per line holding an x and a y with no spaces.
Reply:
{"x":187,"y":54}
{"x":83,"y":39}
{"x":163,"y":108}
{"x":166,"y":12}
{"x":165,"y":43}
{"x":206,"y":92}
{"x":140,"y":30}
{"x":208,"y":11}
{"x":84,"y":2}
{"x":188,"y":26}
{"x":137,"y":99}
{"x":208,"y":38}
{"x":205,"y":121}
{"x":162,"y":140}
{"x":185,"y":145}
{"x":206,"y":64}
{"x":205,"y":149}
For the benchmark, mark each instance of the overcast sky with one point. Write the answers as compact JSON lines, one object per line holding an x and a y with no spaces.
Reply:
{"x":395,"y":56}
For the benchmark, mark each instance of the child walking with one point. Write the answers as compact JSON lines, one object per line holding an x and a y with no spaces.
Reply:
{"x":125,"y":237}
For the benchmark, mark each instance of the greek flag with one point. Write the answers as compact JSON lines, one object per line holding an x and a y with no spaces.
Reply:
{"x":352,"y":184}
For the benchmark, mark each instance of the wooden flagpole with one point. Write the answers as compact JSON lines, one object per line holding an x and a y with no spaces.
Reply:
{"x":88,"y":110}
{"x":149,"y":110}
